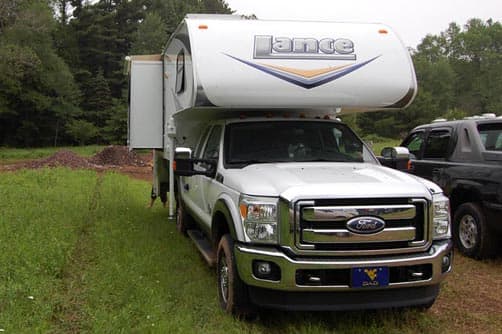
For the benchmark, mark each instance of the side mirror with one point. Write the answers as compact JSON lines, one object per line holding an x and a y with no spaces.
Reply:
{"x":182,"y":153}
{"x":191,"y":167}
{"x":395,"y":157}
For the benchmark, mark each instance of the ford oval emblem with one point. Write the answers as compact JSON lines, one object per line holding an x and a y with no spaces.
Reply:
{"x":365,"y":225}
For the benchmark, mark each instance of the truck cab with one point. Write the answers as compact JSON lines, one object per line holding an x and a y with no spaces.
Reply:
{"x":298,"y":211}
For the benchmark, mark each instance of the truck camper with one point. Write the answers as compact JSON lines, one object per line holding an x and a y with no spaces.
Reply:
{"x":285,"y":200}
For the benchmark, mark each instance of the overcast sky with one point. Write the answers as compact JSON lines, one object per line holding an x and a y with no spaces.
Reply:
{"x":412,"y":20}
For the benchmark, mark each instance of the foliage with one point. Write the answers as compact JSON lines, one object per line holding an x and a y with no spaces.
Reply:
{"x":115,"y":129}
{"x":82,"y":131}
{"x":150,"y":36}
{"x":62,"y":61}
{"x":37,"y":90}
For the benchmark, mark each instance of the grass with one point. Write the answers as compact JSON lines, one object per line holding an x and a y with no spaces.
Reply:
{"x":378,"y":143}
{"x":80,"y":252}
{"x":12,"y":155}
{"x":40,"y":219}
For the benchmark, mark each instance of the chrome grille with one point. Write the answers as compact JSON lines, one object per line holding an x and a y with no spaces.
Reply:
{"x":321,"y":225}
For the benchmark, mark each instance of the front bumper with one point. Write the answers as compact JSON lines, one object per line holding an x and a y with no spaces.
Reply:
{"x":289,"y":282}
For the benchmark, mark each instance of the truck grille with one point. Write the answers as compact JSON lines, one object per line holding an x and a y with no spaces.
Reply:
{"x":321,"y":225}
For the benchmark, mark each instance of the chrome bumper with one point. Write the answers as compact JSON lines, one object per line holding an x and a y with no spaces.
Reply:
{"x":246,"y":254}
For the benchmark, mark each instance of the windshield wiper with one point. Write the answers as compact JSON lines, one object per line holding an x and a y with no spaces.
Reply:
{"x":248,"y":162}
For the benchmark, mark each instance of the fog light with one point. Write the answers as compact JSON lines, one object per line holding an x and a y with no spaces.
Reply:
{"x":266,"y":270}
{"x":446,"y":263}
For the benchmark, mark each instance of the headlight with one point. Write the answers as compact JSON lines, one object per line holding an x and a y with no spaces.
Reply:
{"x":259,"y":217}
{"x":441,"y":217}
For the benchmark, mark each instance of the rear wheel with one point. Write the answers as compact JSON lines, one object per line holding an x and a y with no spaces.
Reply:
{"x":232,"y":291}
{"x":471,"y":232}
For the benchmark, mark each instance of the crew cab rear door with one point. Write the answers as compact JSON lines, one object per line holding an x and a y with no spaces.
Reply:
{"x":434,"y":152}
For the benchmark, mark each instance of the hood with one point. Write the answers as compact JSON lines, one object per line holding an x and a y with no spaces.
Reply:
{"x":292,"y":181}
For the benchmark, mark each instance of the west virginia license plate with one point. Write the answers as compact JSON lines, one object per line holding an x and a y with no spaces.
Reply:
{"x":370,"y":277}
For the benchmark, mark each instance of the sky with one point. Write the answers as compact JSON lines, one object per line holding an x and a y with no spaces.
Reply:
{"x":412,"y":20}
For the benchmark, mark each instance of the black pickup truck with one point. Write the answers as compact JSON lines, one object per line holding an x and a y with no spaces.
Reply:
{"x":464,"y":158}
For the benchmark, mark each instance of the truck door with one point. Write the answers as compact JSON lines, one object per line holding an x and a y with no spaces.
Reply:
{"x":435,"y":154}
{"x":207,"y":184}
{"x":190,"y":186}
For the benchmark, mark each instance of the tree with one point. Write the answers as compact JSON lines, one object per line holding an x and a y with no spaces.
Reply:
{"x":82,"y":131}
{"x":150,"y":36}
{"x":37,"y":88}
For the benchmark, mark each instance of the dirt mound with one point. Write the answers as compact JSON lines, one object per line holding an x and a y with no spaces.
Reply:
{"x":117,"y":156}
{"x":62,"y":158}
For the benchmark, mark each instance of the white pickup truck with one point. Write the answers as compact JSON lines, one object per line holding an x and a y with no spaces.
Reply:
{"x":283,"y":198}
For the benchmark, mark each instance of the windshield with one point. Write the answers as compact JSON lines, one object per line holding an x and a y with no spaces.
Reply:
{"x":491,"y":136}
{"x":292,"y":141}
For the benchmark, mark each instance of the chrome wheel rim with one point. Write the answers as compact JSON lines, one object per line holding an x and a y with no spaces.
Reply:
{"x":468,"y":231}
{"x":224,"y":278}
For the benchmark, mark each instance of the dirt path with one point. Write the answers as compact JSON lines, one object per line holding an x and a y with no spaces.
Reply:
{"x":70,"y":316}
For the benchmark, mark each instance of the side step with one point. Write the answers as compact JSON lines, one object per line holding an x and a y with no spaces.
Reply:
{"x":204,"y":246}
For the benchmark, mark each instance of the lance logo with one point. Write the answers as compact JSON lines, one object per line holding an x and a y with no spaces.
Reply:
{"x":268,"y":47}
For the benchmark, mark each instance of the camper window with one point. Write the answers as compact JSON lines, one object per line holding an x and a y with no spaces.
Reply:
{"x":180,"y":72}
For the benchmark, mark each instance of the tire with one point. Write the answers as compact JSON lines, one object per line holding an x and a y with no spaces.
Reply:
{"x":232,"y":292}
{"x":471,"y":233}
{"x":184,"y":221}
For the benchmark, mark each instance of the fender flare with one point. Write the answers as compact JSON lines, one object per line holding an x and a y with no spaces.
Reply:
{"x":224,"y":205}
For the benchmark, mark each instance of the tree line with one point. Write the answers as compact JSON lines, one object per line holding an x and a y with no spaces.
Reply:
{"x":62,"y":79}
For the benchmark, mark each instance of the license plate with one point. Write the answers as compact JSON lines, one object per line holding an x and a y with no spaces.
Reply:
{"x":370,"y":277}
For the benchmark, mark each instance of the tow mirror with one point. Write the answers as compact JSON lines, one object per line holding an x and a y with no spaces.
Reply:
{"x":395,"y":157}
{"x":191,"y":167}
{"x":183,"y":153}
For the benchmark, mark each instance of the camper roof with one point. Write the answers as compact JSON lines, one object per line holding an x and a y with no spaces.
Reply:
{"x":229,"y":62}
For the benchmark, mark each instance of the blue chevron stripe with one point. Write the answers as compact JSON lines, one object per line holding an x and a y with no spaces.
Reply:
{"x":302,"y":81}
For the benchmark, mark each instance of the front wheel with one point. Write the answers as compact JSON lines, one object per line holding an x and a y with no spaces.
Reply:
{"x":471,"y":232}
{"x":232,"y":291}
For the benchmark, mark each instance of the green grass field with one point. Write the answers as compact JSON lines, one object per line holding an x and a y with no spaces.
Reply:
{"x":80,"y":252}
{"x":11,"y":155}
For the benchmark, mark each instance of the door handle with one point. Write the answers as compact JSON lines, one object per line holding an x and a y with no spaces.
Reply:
{"x":186,"y":186}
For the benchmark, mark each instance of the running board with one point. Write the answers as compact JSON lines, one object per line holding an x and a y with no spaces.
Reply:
{"x":204,"y":246}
